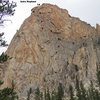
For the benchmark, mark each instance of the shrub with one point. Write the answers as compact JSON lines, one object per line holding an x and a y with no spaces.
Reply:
{"x":3,"y":57}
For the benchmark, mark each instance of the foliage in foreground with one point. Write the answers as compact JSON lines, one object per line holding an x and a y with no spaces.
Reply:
{"x":6,"y":8}
{"x":47,"y":95}
{"x":92,"y":93}
{"x":8,"y":93}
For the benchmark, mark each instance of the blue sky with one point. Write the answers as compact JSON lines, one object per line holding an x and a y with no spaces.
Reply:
{"x":86,"y":10}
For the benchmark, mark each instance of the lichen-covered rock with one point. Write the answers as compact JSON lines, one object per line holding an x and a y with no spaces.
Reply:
{"x":52,"y":47}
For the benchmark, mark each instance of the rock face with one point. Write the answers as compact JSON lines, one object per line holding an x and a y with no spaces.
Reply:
{"x":49,"y":47}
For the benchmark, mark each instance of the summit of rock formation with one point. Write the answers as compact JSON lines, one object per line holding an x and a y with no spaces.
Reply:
{"x":46,"y":49}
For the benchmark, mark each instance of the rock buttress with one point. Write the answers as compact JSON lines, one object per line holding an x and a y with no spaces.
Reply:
{"x":48,"y":47}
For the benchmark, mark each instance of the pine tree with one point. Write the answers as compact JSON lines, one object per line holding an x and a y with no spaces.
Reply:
{"x":60,"y":91}
{"x":37,"y":94}
{"x":41,"y":96}
{"x":29,"y":93}
{"x":48,"y":94}
{"x":71,"y":93}
{"x":45,"y":95}
{"x":8,"y":93}
{"x":54,"y":95}
{"x":91,"y":92}
{"x":78,"y":89}
{"x":98,"y":75}
{"x":2,"y":41}
{"x":97,"y":95}
{"x":83,"y":92}
{"x":6,"y":8}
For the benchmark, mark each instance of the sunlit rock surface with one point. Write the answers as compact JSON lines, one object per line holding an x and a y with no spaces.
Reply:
{"x":48,"y":47}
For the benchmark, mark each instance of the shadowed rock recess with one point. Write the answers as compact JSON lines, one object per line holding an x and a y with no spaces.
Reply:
{"x":48,"y":47}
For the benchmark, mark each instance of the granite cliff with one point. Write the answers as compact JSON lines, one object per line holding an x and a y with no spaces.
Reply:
{"x":48,"y":47}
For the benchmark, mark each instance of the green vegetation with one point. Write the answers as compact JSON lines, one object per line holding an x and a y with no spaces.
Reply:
{"x":60,"y":92}
{"x":47,"y":95}
{"x":8,"y":93}
{"x":6,"y":8}
{"x":38,"y":94}
{"x":71,"y":93}
{"x":29,"y":93}
{"x":92,"y":93}
{"x":78,"y":93}
{"x":3,"y":57}
{"x":2,"y":41}
{"x":98,"y":76}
